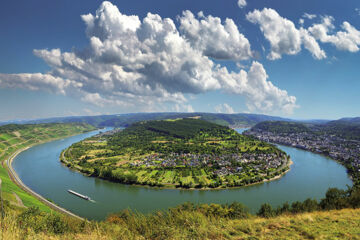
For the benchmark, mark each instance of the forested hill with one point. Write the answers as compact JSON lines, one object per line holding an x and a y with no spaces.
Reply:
{"x":280,"y":127}
{"x":125,"y":120}
{"x":344,"y":128}
{"x":178,"y":128}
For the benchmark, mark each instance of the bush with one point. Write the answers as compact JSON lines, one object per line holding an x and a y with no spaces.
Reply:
{"x":55,"y":224}
{"x":266,"y":211}
{"x":335,"y":199}
{"x":238,"y":210}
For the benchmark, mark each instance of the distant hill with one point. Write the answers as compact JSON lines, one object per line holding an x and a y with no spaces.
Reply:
{"x":346,"y":121}
{"x":347,"y":128}
{"x":282,"y":127}
{"x":124,"y":120}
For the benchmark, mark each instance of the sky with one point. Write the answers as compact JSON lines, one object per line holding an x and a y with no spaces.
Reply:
{"x":298,"y":59}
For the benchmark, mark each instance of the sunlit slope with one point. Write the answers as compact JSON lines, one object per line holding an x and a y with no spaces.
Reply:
{"x":335,"y":224}
{"x":15,"y":137}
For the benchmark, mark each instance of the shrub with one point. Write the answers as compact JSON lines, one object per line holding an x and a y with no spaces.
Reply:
{"x":266,"y":211}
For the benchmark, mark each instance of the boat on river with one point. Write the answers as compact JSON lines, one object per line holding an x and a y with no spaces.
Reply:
{"x":79,"y":195}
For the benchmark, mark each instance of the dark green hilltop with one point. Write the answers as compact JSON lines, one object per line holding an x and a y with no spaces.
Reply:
{"x":186,"y":153}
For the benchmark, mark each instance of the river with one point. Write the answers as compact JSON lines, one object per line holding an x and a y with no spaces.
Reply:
{"x":40,"y":169}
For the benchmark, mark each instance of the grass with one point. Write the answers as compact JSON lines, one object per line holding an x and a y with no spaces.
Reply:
{"x":335,"y":224}
{"x":27,"y":135}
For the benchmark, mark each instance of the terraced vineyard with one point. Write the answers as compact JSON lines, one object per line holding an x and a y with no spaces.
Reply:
{"x":14,"y":138}
{"x":186,"y":153}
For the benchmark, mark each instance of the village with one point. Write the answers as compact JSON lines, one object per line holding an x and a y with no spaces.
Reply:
{"x":342,"y":150}
{"x":221,"y":165}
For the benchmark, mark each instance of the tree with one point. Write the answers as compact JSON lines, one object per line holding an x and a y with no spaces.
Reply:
{"x":334,"y":199}
{"x":266,"y":211}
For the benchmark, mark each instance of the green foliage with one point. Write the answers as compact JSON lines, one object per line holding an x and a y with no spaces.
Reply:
{"x":266,"y":211}
{"x":334,"y":199}
{"x":14,"y":137}
{"x":282,"y":127}
{"x":181,"y":142}
{"x":346,"y":129}
{"x":201,"y":221}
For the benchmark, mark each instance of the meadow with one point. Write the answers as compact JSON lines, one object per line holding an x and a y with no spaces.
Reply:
{"x":177,"y":153}
{"x":14,"y":138}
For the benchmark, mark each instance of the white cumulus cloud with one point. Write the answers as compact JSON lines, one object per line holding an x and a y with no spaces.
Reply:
{"x":283,"y":36}
{"x":260,"y":93}
{"x":146,"y":62}
{"x":214,"y":38}
{"x":346,"y":40}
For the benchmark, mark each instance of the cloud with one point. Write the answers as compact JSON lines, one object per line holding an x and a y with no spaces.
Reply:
{"x":37,"y":81}
{"x":149,"y":62}
{"x":309,"y":16}
{"x":183,"y":108}
{"x":242,"y":3}
{"x":261,"y":95}
{"x":357,"y":10}
{"x":347,"y":40}
{"x":224,"y":108}
{"x":215,"y":39}
{"x":283,"y":36}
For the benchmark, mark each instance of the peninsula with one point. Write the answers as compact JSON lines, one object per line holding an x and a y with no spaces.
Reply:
{"x":181,"y":153}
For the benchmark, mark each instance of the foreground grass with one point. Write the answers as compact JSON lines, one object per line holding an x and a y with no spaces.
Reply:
{"x":335,"y":224}
{"x":16,"y":137}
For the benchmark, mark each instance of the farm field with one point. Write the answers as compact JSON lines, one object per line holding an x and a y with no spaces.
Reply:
{"x":177,"y":153}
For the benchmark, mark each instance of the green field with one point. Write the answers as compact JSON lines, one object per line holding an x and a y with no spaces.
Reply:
{"x":16,"y":137}
{"x":185,"y":153}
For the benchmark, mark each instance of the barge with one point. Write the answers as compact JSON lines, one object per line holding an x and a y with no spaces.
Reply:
{"x":79,"y":195}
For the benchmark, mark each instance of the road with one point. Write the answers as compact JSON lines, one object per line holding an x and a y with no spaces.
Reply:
{"x":15,"y":178}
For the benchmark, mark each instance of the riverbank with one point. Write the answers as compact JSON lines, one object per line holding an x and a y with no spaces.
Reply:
{"x":321,"y":154}
{"x":310,"y":176}
{"x":78,"y":169}
{"x":15,"y":178}
{"x":21,"y":138}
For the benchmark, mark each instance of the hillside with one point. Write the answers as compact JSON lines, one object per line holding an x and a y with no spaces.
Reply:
{"x":348,"y":129}
{"x":15,"y":137}
{"x":339,"y":139}
{"x":183,"y":223}
{"x":281,"y":127}
{"x":183,"y":153}
{"x":295,"y":221}
{"x":124,"y":120}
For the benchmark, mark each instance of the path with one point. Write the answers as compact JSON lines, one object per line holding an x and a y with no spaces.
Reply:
{"x":19,"y":201}
{"x":15,"y":178}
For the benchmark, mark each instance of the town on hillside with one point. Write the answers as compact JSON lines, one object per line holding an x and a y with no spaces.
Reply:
{"x":343,"y":150}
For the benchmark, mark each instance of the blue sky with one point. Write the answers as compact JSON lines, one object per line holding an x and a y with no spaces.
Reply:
{"x":37,"y":86}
